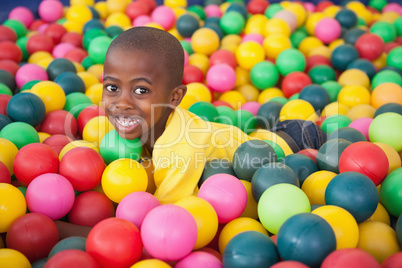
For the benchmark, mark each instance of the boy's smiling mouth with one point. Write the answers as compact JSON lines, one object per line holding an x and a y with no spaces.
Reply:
{"x":125,"y":124}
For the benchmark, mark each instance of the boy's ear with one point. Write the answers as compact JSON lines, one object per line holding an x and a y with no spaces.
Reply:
{"x":177,"y":95}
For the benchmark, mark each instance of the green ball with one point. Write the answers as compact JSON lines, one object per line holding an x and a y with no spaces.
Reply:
{"x":7,"y":79}
{"x":232,"y":23}
{"x":264,"y":75}
{"x":272,"y":9}
{"x":76,"y":102}
{"x":20,"y":134}
{"x":321,"y":74}
{"x":98,"y":48}
{"x":5,"y":90}
{"x":387,"y":128}
{"x":391,"y":192}
{"x":278,"y":149}
{"x":199,"y":10}
{"x":205,"y":110}
{"x":87,"y":62}
{"x":333,"y":88}
{"x":187,"y":47}
{"x":394,"y":58}
{"x":361,"y":21}
{"x":22,"y":44}
{"x":113,"y":31}
{"x":74,"y":242}
{"x":280,"y":202}
{"x":290,"y":60}
{"x":91,"y":35}
{"x":216,"y":166}
{"x":385,"y":30}
{"x":281,"y":100}
{"x":378,"y":4}
{"x":114,"y":147}
{"x":386,"y":76}
{"x":297,"y":37}
{"x":61,"y":21}
{"x":29,"y":85}
{"x":333,"y":122}
{"x":246,"y":121}
{"x":17,"y":26}
{"x":187,"y":24}
{"x":398,"y":26}
{"x":227,"y":115}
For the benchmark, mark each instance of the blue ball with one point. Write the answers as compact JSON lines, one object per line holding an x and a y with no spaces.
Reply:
{"x":347,"y":133}
{"x":70,"y":82}
{"x":4,"y":121}
{"x":73,"y":242}
{"x":343,"y":55}
{"x":250,"y":249}
{"x":306,"y":238}
{"x":27,"y":108}
{"x":365,"y":66}
{"x":346,"y":18}
{"x":301,"y":164}
{"x":354,"y":192}
{"x":316,"y":95}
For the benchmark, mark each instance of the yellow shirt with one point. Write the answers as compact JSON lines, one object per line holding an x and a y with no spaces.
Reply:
{"x":180,"y":153}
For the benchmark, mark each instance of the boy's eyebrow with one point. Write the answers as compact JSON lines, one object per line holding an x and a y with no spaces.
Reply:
{"x":132,"y":80}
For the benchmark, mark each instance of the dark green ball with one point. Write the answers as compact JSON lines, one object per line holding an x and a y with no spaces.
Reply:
{"x":216,"y":166}
{"x":27,"y":108}
{"x":4,"y":121}
{"x":59,"y":66}
{"x":113,"y":31}
{"x":322,"y":73}
{"x":74,"y":242}
{"x":8,"y":79}
{"x":365,"y":66}
{"x":343,"y":55}
{"x":91,"y":35}
{"x":70,"y":82}
{"x":347,"y":133}
{"x":187,"y":24}
{"x":352,"y":35}
{"x":93,"y":24}
{"x":301,"y":164}
{"x":268,"y":114}
{"x":316,"y":95}
{"x":329,"y":154}
{"x":346,"y":18}
{"x":389,"y":108}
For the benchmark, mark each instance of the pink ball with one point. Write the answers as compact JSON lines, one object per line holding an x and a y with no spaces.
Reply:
{"x":221,"y":78}
{"x":213,"y":11}
{"x":362,"y":125}
{"x":50,"y":11}
{"x":327,"y":30}
{"x":135,"y":206}
{"x":61,"y":50}
{"x":226,"y":194}
{"x":287,"y":16}
{"x":395,"y":260}
{"x":50,"y":194}
{"x":29,"y":72}
{"x":199,"y":259}
{"x":141,"y":20}
{"x":309,"y":6}
{"x":164,"y":16}
{"x":392,"y":7}
{"x":169,"y":232}
{"x":253,"y":37}
{"x":251,"y":106}
{"x":42,"y":28}
{"x":22,"y":14}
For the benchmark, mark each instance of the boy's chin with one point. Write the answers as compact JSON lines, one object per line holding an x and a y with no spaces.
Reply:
{"x":128,"y":136}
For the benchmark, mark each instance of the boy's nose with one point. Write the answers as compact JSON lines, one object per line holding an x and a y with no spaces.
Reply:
{"x":124,"y":101}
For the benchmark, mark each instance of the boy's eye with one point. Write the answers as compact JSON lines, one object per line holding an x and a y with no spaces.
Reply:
{"x":140,"y":90}
{"x":111,"y":88}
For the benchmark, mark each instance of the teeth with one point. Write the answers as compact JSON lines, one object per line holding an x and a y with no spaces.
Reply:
{"x":126,"y":122}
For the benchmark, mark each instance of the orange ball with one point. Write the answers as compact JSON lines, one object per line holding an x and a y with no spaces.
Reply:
{"x":386,"y":93}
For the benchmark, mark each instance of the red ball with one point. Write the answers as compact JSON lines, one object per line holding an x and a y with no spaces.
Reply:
{"x":312,"y":153}
{"x":223,"y":56}
{"x":9,"y":66}
{"x":87,"y":114}
{"x":390,"y":46}
{"x":10,"y":51}
{"x":399,"y":40}
{"x":366,"y":158}
{"x":6,"y":34}
{"x":76,"y":54}
{"x":192,"y":74}
{"x":34,"y":235}
{"x":294,"y":82}
{"x":392,"y":261}
{"x":221,"y":103}
{"x":4,"y":99}
{"x":72,"y":38}
{"x":83,"y":167}
{"x":136,"y":9}
{"x":33,"y":160}
{"x":36,"y":24}
{"x":55,"y":31}
{"x":5,"y":176}
{"x":315,"y":60}
{"x":90,"y":208}
{"x":289,"y":264}
{"x":257,"y":6}
{"x":350,"y":258}
{"x":57,"y":142}
{"x":71,"y":258}
{"x":115,"y":243}
{"x":370,"y":46}
{"x":150,"y":3}
{"x":39,"y":42}
{"x":59,"y":122}
{"x":323,"y":5}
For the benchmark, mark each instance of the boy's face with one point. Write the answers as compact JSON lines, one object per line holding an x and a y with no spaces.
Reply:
{"x":135,"y":94}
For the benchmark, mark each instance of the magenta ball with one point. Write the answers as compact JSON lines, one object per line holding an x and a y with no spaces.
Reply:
{"x":327,"y":30}
{"x":256,"y":37}
{"x":22,"y":14}
{"x":50,"y":11}
{"x":251,"y":106}
{"x":199,"y":259}
{"x":309,"y":6}
{"x":169,"y":232}
{"x":288,"y":17}
{"x":213,"y":11}
{"x":226,"y":194}
{"x":362,"y":124}
{"x":29,"y":72}
{"x":141,"y":20}
{"x":221,"y":77}
{"x":392,"y":7}
{"x":61,"y":50}
{"x":50,"y":194}
{"x":164,"y":16}
{"x":135,"y":206}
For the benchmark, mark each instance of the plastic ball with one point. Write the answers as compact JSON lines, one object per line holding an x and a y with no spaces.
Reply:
{"x":76,"y":102}
{"x":192,"y":74}
{"x":289,"y":61}
{"x":385,"y":30}
{"x":17,"y":26}
{"x":223,"y":56}
{"x":364,"y":65}
{"x":347,"y":133}
{"x":298,"y":109}
{"x":39,"y":42}
{"x":343,"y":55}
{"x":274,"y":44}
{"x":13,"y":258}
{"x":98,"y":48}
{"x":316,"y":95}
{"x":27,"y":108}
{"x":389,"y":192}
{"x":221,"y":78}
{"x":249,"y":53}
{"x":114,"y":147}
{"x":70,"y":257}
{"x":393,"y":260}
{"x":7,"y":79}
{"x":321,"y":73}
{"x":350,"y":257}
{"x":205,"y":41}
{"x":393,"y":59}
{"x":13,"y":205}
{"x":370,"y":46}
{"x":386,"y":128}
{"x":96,"y":129}
{"x":268,"y":114}
{"x":10,"y":51}
{"x":264,"y":75}
{"x":199,"y":258}
{"x":329,"y":154}
{"x":148,"y":263}
{"x":386,"y":76}
{"x":346,"y":18}
{"x":393,"y":160}
{"x":386,"y":93}
{"x":59,"y":122}
{"x":29,"y":72}
{"x":50,"y":11}
{"x":135,"y":9}
{"x":7,"y":34}
{"x":327,"y":36}
{"x":294,"y":82}
{"x":232,"y":22}
{"x":205,"y":110}
{"x":315,"y":185}
{"x":187,"y":24}
{"x":351,"y":35}
{"x":20,"y":134}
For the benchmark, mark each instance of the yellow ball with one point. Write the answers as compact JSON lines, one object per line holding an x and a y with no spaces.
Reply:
{"x":248,"y":54}
{"x":251,"y":210}
{"x":343,"y":224}
{"x":78,"y":66}
{"x":256,"y":24}
{"x":13,"y":258}
{"x":394,"y":160}
{"x":116,"y":5}
{"x":234,"y":98}
{"x":381,"y":61}
{"x":43,"y":136}
{"x":381,"y":215}
{"x":299,"y":11}
{"x":96,"y":70}
{"x":378,"y":239}
{"x":331,"y":11}
{"x":151,"y":263}
{"x":82,"y":2}
{"x":336,"y":43}
{"x":75,"y":144}
{"x":154,"y":25}
{"x":312,"y":21}
{"x":249,"y":92}
{"x":335,"y":108}
{"x":118,"y":19}
{"x":205,"y":218}
{"x":12,"y":205}
{"x":353,"y":95}
{"x":94,"y":93}
{"x":277,"y":26}
{"x":79,"y":13}
{"x":8,"y":151}
{"x":242,"y":76}
{"x":231,"y":39}
{"x":122,"y":177}
{"x":224,"y":6}
{"x":389,"y":16}
{"x":199,"y":60}
{"x":322,"y":51}
{"x":308,"y":44}
{"x":314,"y":186}
{"x":264,"y":134}
{"x":187,"y":101}
{"x":200,"y":91}
{"x":44,"y":63}
{"x":269,"y":93}
{"x":88,"y":78}
{"x":274,"y":44}
{"x":176,"y":33}
{"x":175,"y":3}
{"x":205,"y":41}
{"x":39,"y":55}
{"x":298,"y":109}
{"x":73,"y":26}
{"x":361,"y":110}
{"x":101,"y":7}
{"x":96,"y":128}
{"x":238,"y":226}
{"x":51,"y":94}
{"x":354,"y":77}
